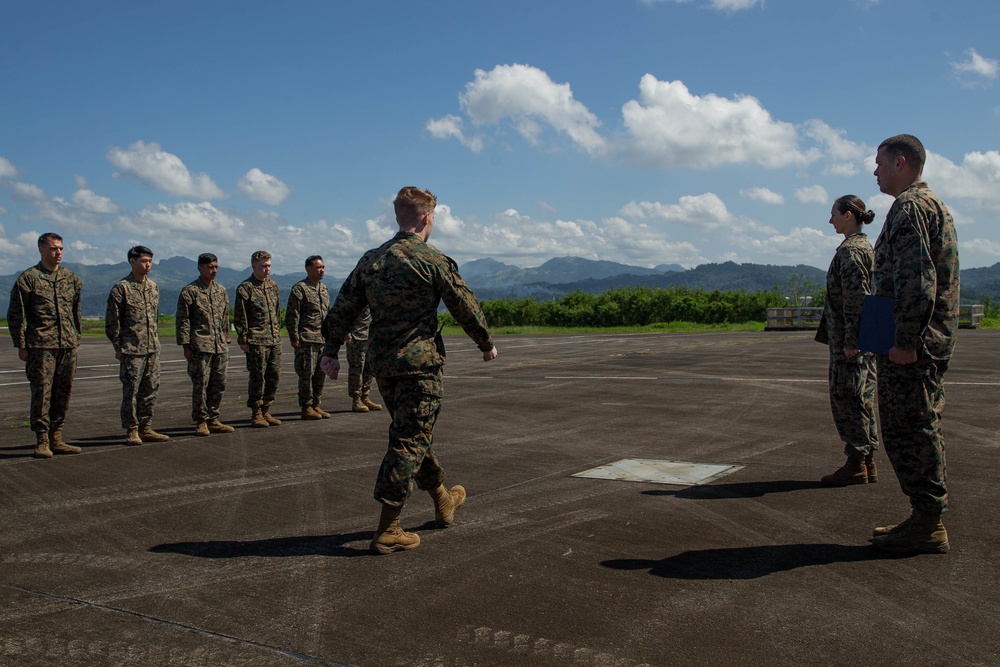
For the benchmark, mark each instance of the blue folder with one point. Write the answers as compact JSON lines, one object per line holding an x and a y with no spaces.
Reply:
{"x":878,"y":328}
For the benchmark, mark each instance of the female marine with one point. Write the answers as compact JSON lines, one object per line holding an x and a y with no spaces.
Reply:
{"x":852,"y":372}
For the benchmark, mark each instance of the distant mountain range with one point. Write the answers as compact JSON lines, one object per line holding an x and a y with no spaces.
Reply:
{"x":491,"y":279}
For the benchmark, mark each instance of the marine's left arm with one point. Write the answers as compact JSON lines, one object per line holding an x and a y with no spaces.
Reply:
{"x":914,"y":278}
{"x":462,"y":304}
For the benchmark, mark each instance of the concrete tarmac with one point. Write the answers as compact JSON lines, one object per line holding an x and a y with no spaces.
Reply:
{"x":250,"y":548}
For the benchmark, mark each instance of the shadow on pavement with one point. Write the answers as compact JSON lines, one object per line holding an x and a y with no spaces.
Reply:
{"x":738,"y":490}
{"x":277,"y":547}
{"x":749,"y":562}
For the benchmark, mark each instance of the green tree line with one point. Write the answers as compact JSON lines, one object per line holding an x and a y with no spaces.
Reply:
{"x":633,"y":306}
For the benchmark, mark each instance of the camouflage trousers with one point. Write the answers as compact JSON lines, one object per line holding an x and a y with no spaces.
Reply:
{"x":911,"y":400}
{"x":50,"y":374}
{"x":413,"y":402}
{"x":311,"y":376}
{"x":359,"y":373}
{"x":264,"y":367}
{"x":140,"y":376}
{"x":853,"y":389}
{"x":208,"y":377}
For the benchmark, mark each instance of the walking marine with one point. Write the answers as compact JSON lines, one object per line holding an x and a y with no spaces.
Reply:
{"x":131,"y":322}
{"x":308,"y":303}
{"x":257,"y":320}
{"x":44,"y":323}
{"x":203,"y":332}
{"x":403,"y":281}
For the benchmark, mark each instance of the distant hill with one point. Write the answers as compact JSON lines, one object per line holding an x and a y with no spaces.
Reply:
{"x":548,"y":282}
{"x":977,"y":284}
{"x":491,"y":279}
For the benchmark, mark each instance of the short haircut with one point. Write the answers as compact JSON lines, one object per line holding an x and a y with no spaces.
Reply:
{"x":312,"y":258}
{"x":260,"y":256}
{"x":909,"y":147}
{"x":48,"y":236}
{"x":412,"y":202}
{"x":207,"y":258}
{"x":135,"y":252}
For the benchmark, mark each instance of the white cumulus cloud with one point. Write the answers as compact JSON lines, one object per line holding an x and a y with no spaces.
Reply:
{"x":445,"y":223}
{"x":812,"y":194}
{"x":7,"y":168}
{"x":90,"y":201}
{"x":669,"y":127}
{"x":764,"y":195}
{"x":721,"y":5}
{"x":705,"y":210}
{"x":976,"y":69}
{"x":531,"y":101}
{"x":164,"y":171}
{"x":27,"y":190}
{"x":451,"y":127}
{"x":257,"y":185}
{"x":976,"y":180}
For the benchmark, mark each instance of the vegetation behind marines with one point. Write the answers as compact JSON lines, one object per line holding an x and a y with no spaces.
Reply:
{"x":629,"y":309}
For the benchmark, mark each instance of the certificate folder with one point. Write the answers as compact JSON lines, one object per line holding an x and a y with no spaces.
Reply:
{"x":878,"y":328}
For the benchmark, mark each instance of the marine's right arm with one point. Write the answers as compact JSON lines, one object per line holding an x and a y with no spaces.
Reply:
{"x":16,"y":312}
{"x":112,"y":316}
{"x":293,"y":314}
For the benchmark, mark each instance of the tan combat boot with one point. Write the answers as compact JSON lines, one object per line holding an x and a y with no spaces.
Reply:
{"x":390,"y":537}
{"x":60,"y":446}
{"x":132,"y":437}
{"x":268,"y":417}
{"x":42,"y":450}
{"x":885,"y":530}
{"x":445,"y":503}
{"x":871,"y":468}
{"x":370,"y":404}
{"x":215,"y":426}
{"x":201,"y":430}
{"x":321,"y":412}
{"x":852,"y":472}
{"x":923,"y":533}
{"x":357,"y":405}
{"x":309,"y":412}
{"x":257,"y":419}
{"x":147,"y":434}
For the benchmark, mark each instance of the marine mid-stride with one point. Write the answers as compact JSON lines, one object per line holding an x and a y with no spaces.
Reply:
{"x":403,"y":281}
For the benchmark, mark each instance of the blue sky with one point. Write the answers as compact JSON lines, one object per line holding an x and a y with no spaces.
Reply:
{"x":639,"y":131}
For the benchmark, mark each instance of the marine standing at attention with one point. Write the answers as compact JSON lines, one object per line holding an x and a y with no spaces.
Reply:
{"x":257,"y":319}
{"x":203,"y":331}
{"x":44,"y":323}
{"x":359,"y":369}
{"x":308,"y":303}
{"x":852,"y":372}
{"x":403,"y":281}
{"x":131,"y":324}
{"x":916,"y":262}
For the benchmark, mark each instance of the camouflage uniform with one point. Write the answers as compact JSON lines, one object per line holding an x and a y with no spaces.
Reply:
{"x":44,"y":318}
{"x":403,"y":281}
{"x":916,"y":261}
{"x":257,"y":319}
{"x":203,"y":323}
{"x":852,"y":381}
{"x":307,"y":305}
{"x":130,"y":323}
{"x":360,"y":374}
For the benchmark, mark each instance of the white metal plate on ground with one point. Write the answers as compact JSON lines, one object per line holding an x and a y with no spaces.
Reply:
{"x":660,"y":472}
